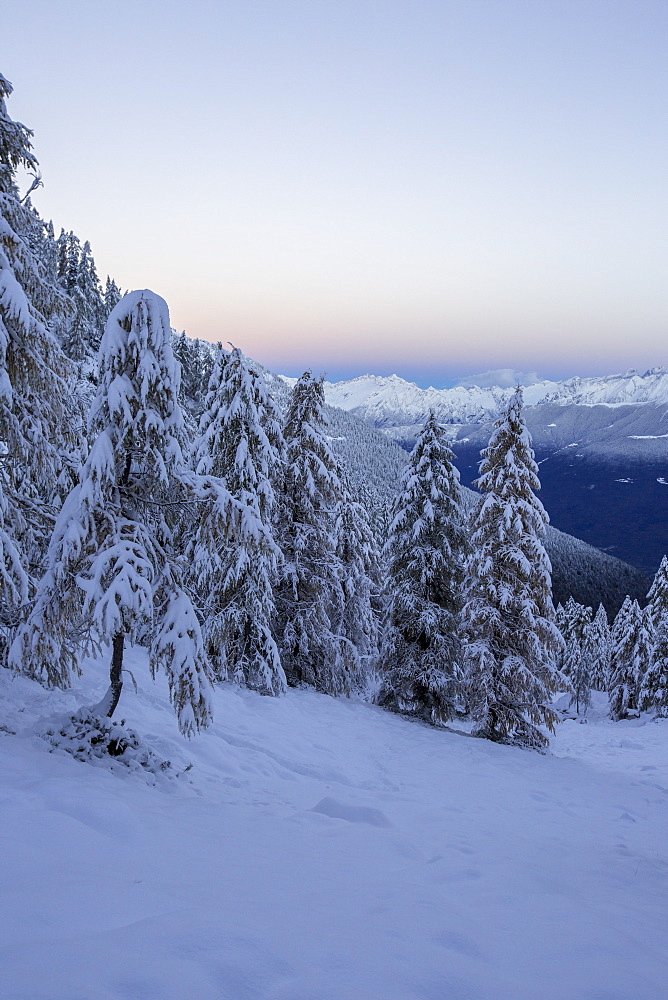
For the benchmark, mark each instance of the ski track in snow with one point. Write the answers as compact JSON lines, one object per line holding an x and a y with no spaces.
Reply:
{"x":325,"y":850}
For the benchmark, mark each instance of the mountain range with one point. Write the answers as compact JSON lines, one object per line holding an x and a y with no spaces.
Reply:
{"x":602,"y":445}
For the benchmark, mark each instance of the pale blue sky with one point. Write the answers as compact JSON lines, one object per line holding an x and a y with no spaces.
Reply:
{"x":420,"y":187}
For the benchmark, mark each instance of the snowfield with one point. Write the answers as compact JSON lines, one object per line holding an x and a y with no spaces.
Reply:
{"x":320,"y":849}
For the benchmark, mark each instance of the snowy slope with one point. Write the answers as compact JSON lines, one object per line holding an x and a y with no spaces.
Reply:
{"x":322,"y":850}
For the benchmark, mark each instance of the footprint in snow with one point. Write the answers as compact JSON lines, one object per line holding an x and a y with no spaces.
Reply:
{"x":352,"y":814}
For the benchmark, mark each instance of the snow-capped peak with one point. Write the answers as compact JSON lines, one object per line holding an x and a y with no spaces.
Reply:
{"x":391,"y":399}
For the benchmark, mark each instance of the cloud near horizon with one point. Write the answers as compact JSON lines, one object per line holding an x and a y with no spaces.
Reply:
{"x":505,"y":378}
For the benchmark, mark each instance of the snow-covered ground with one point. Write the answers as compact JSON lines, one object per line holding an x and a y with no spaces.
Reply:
{"x":323,"y":850}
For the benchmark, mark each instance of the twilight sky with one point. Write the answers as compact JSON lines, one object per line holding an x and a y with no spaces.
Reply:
{"x":427,"y":187}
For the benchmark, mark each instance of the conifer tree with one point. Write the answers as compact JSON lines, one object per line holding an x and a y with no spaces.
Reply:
{"x":421,"y":657}
{"x":579,"y":651}
{"x":234,"y":555}
{"x":310,"y":593}
{"x":78,"y":277}
{"x":69,"y":252}
{"x":560,"y":617}
{"x":654,"y":688}
{"x":574,"y":619}
{"x":112,"y":296}
{"x":579,"y":658}
{"x":34,"y":382}
{"x":36,"y":423}
{"x":357,"y":552}
{"x":598,"y":642}
{"x":88,"y":286}
{"x":657,"y":595}
{"x":204,"y":361}
{"x":631,"y":651}
{"x":112,"y":571}
{"x":512,"y":638}
{"x":184,"y":355}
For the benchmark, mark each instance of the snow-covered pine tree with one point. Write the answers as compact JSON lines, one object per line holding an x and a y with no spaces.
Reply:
{"x":573,"y":621}
{"x":69,"y":252}
{"x":233,"y":555}
{"x":112,"y":296}
{"x":111,"y":567}
{"x":309,"y":593}
{"x":653,"y":694}
{"x":183,"y":352}
{"x":378,"y":511}
{"x":90,"y":291}
{"x":421,"y":655}
{"x":204,"y":360}
{"x":597,"y":636}
{"x":579,"y":658}
{"x":560,"y":617}
{"x":631,"y":652}
{"x":654,"y":690}
{"x":512,"y":638}
{"x":81,"y":335}
{"x":36,"y":423}
{"x":358,"y":555}
{"x":657,"y":594}
{"x":579,"y":651}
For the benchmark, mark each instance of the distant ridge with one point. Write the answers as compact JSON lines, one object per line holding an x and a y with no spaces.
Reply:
{"x":396,"y":405}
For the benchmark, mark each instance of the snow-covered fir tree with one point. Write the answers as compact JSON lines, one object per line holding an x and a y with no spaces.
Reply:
{"x":183,"y":352}
{"x":572,"y":621}
{"x":509,"y":619}
{"x":580,"y":659}
{"x":579,"y":650}
{"x":112,"y":296}
{"x":421,"y":655}
{"x":358,"y":555}
{"x":653,"y":696}
{"x":378,"y":511}
{"x":77,"y":274}
{"x":309,"y":595}
{"x":631,"y":651}
{"x":89,"y":294}
{"x":68,"y":251}
{"x":597,"y":637}
{"x":234,"y":556}
{"x":657,"y":596}
{"x":37,"y":416}
{"x":196,"y":359}
{"x":112,"y":574}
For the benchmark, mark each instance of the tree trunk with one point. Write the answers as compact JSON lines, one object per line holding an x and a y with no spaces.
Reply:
{"x":115,"y":673}
{"x":107,"y":706}
{"x":111,"y":699}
